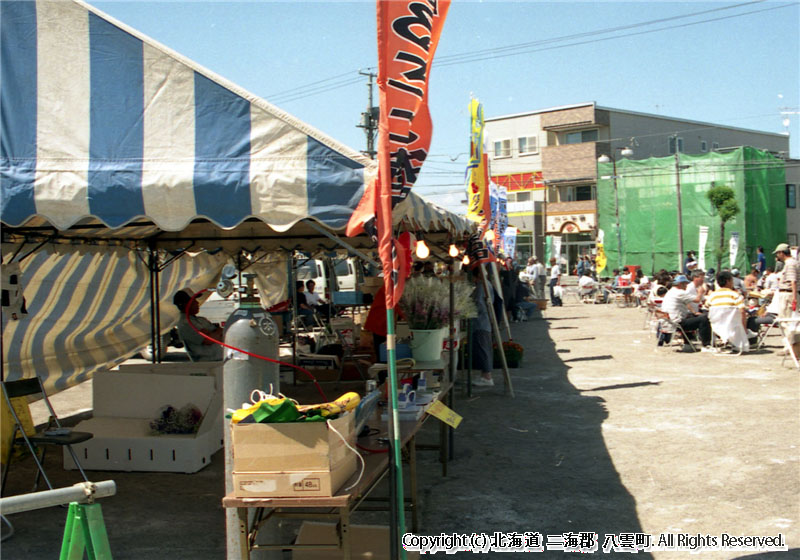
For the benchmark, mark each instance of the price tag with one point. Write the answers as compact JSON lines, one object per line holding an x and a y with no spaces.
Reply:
{"x":445,"y":414}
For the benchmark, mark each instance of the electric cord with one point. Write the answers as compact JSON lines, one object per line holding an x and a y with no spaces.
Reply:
{"x":252,"y":354}
{"x":354,"y":450}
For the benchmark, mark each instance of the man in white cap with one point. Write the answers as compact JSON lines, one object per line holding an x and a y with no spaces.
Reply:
{"x":677,"y":302}
{"x":788,"y":283}
{"x":199,"y":348}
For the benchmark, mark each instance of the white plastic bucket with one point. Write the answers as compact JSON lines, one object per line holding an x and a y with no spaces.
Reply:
{"x":426,"y":345}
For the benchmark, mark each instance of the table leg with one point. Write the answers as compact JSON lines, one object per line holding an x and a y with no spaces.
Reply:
{"x":412,"y":469}
{"x":344,"y":531}
{"x":244,"y":537}
{"x":444,"y":440}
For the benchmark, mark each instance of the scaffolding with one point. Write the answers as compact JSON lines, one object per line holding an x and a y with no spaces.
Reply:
{"x":647,"y":196}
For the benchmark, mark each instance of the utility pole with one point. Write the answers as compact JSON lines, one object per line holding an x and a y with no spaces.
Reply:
{"x":680,"y":210}
{"x":369,"y":118}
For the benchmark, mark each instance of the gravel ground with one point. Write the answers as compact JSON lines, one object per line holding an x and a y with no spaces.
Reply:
{"x":607,"y":434}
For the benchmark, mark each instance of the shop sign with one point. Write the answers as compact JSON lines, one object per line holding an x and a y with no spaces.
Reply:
{"x":571,"y":223}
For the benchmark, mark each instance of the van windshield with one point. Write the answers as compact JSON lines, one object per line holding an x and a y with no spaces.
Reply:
{"x":307,"y":271}
{"x":340,"y":268}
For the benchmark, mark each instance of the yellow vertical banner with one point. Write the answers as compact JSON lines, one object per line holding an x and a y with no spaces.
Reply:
{"x":477,"y":186}
{"x":600,"y":259}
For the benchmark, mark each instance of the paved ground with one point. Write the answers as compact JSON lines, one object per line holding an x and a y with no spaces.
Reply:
{"x":607,"y":434}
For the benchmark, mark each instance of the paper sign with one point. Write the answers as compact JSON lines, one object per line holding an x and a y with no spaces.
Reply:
{"x":445,"y":414}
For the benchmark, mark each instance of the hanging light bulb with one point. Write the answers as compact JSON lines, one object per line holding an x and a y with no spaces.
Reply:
{"x":453,"y":251}
{"x":465,"y":260}
{"x":422,"y":250}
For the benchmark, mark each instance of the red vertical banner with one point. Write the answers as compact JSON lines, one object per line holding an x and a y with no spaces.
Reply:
{"x":408,"y":34}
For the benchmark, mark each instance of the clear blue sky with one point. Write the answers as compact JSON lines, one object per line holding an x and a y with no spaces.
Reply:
{"x":737,"y":71}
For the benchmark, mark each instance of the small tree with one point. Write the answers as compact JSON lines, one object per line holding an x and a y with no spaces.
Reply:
{"x":723,"y":201}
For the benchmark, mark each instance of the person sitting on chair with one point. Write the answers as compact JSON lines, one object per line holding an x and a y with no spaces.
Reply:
{"x":586,"y":285}
{"x":303,"y":309}
{"x":523,"y":309}
{"x":730,"y":325}
{"x":314,"y":300}
{"x":199,"y":348}
{"x":676,"y":303}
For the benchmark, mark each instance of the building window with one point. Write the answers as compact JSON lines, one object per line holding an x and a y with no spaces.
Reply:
{"x":715,"y":146}
{"x":703,"y":146}
{"x":583,"y":192}
{"x":528,"y":145}
{"x":792,"y":239}
{"x":502,"y":148}
{"x":581,"y":136}
{"x":672,"y":142}
{"x":523,"y":196}
{"x":791,"y":196}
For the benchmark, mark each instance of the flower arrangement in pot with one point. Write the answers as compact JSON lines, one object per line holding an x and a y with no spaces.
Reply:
{"x":513,"y":351}
{"x":426,"y":307}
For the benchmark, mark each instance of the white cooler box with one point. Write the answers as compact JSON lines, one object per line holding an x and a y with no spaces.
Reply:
{"x":127,"y":400}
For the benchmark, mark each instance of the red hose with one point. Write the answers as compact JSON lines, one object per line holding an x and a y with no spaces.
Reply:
{"x":372,"y":450}
{"x":214,"y":340}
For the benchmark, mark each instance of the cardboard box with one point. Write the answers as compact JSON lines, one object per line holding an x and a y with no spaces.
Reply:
{"x":367,"y":542}
{"x":293,"y":459}
{"x":125,"y":402}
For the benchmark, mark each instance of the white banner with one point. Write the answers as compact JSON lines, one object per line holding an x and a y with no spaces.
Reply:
{"x":510,"y":242}
{"x":557,"y":249}
{"x":701,"y":253}
{"x":734,"y":247}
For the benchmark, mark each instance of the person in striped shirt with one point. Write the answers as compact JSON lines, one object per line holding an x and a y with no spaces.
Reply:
{"x":726,"y":296}
{"x":739,"y":336}
{"x":788,"y":283}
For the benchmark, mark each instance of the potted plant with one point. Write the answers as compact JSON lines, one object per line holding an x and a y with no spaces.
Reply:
{"x":513,"y":352}
{"x":426,"y":307}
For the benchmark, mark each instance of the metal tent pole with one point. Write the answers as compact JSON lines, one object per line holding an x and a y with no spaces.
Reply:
{"x":496,"y":331}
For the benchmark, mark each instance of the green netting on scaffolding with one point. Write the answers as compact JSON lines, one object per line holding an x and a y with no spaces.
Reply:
{"x":644,"y":203}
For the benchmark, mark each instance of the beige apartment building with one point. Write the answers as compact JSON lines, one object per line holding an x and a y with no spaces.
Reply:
{"x":547,"y":159}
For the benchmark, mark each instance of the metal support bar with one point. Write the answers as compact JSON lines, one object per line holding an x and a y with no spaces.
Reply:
{"x":151,"y":265}
{"x":83,"y":492}
{"x":175,"y":257}
{"x":350,"y":248}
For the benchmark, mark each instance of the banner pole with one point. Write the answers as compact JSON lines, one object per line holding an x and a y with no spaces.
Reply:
{"x":395,"y":444}
{"x":496,"y":331}
{"x":495,"y":274}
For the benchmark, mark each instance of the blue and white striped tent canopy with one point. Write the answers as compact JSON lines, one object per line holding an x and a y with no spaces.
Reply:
{"x":102,"y":126}
{"x":105,"y":134}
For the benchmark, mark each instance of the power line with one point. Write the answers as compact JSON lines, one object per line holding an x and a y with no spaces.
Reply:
{"x":317,"y":90}
{"x":322,"y":86}
{"x":481,"y":52}
{"x":304,"y":87}
{"x":480,"y":58}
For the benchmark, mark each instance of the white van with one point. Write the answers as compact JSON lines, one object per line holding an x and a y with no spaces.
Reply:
{"x":349,"y":274}
{"x":318,"y":271}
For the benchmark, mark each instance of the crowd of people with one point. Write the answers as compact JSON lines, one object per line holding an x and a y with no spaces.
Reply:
{"x":699,"y":302}
{"x":734,"y":308}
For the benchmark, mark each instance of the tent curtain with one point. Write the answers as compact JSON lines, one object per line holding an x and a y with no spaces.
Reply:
{"x":88,"y":309}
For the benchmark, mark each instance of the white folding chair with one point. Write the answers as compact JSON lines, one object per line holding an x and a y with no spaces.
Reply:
{"x":726,"y":323}
{"x":674,"y":327}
